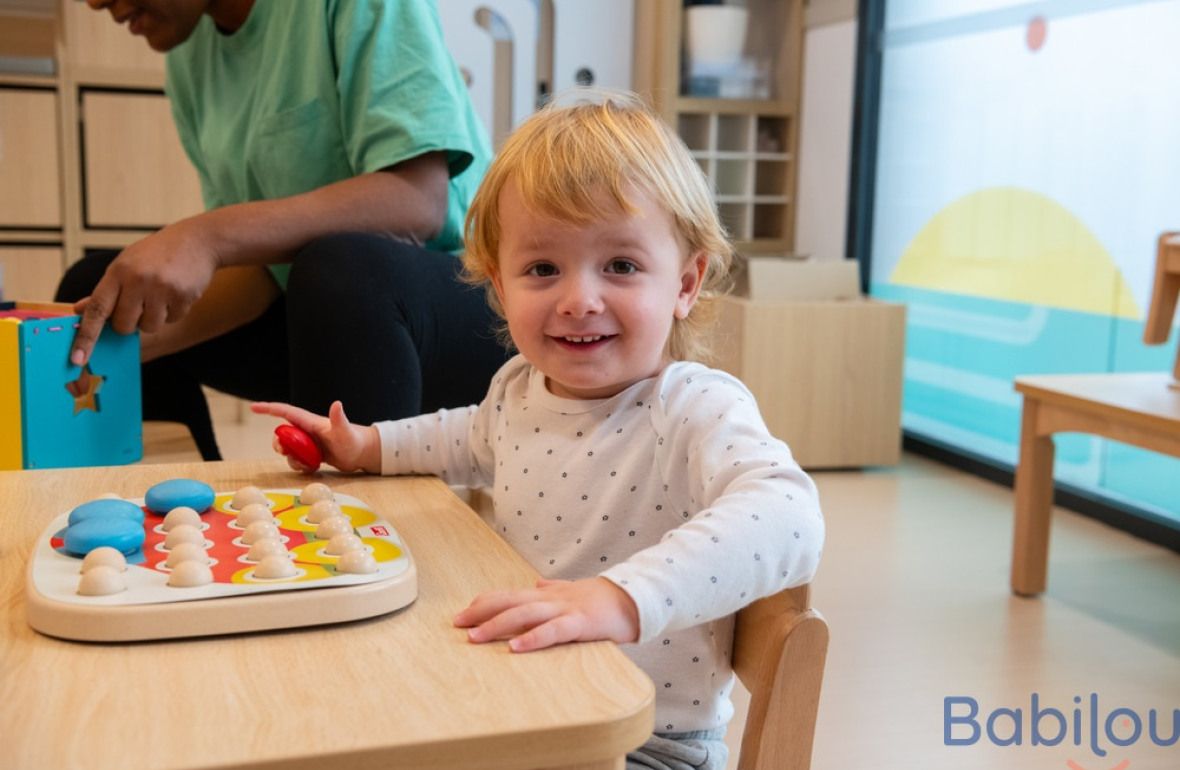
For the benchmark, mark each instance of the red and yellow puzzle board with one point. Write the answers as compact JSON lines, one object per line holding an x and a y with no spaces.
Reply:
{"x":236,"y":601}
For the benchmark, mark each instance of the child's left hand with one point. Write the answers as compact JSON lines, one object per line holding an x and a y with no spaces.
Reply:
{"x":555,"y":612}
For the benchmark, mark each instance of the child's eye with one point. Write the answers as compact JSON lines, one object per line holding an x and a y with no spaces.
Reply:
{"x":621,"y":267}
{"x":543,"y":270}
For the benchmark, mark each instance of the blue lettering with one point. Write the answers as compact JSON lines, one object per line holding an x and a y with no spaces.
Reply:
{"x":1037,"y":715}
{"x":1015,"y":737}
{"x":1136,"y":727}
{"x":1094,"y":747}
{"x":1155,"y":736}
{"x":949,"y":720}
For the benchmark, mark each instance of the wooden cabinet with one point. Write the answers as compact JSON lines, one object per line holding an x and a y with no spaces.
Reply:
{"x":31,"y":210}
{"x":728,"y":78}
{"x":135,"y":170}
{"x":125,"y":173}
{"x":30,"y":272}
{"x":29,"y":170}
{"x":89,"y":155}
{"x":95,"y":48}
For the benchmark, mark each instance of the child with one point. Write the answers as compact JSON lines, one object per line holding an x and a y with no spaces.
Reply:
{"x":646,"y":490}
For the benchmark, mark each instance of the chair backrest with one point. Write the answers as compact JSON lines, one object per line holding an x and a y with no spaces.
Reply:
{"x":1164,"y":291}
{"x":779,"y":649}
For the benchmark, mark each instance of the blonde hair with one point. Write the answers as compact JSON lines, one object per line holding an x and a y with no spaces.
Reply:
{"x":563,"y":157}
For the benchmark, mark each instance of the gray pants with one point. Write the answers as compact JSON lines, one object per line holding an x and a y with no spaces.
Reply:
{"x":699,"y":750}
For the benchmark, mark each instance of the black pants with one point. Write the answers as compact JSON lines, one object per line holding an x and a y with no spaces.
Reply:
{"x":385,"y":327}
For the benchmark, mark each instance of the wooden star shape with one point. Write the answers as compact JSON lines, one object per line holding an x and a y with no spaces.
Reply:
{"x":85,"y":389}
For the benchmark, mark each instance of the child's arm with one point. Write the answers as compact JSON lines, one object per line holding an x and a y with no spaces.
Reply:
{"x":751,"y":518}
{"x":555,"y":612}
{"x":346,"y":446}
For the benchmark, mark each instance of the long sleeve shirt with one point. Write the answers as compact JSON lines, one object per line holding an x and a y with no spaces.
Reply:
{"x":673,"y":489}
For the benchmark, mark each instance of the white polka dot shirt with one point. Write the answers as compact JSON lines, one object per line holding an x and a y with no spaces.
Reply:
{"x":672,"y":489}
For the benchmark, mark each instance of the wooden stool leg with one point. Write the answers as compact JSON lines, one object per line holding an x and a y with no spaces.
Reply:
{"x":1034,"y":503}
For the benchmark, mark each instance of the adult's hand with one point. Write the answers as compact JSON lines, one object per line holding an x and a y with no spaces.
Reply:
{"x":152,"y":282}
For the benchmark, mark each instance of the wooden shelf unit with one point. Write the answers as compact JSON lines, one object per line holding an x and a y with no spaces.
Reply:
{"x":125,"y":172}
{"x":31,"y":211}
{"x":747,"y":147}
{"x":91,"y":159}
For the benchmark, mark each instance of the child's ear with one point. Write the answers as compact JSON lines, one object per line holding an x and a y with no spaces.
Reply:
{"x":692,"y":278}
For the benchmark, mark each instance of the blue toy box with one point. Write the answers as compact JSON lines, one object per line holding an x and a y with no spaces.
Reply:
{"x":54,"y":414}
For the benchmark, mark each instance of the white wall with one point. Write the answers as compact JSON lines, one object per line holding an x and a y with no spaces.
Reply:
{"x":829,"y":74}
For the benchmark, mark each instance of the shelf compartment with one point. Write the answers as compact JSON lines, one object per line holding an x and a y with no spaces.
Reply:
{"x":736,"y":217}
{"x":734,"y":133}
{"x":732,"y":177}
{"x":29,"y":163}
{"x":770,"y":177}
{"x":30,"y":272}
{"x":772,"y":134}
{"x":769,"y":221}
{"x":696,"y":129}
{"x":145,"y":189}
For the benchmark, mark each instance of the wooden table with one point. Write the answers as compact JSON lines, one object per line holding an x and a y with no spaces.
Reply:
{"x":404,"y":690}
{"x":1139,"y":409}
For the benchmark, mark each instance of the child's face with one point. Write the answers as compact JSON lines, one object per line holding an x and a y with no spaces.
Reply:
{"x":592,"y":305}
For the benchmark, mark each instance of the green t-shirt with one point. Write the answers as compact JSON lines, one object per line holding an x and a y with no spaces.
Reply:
{"x":310,"y":92}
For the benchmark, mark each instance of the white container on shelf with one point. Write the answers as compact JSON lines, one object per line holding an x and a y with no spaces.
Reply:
{"x":715,"y":36}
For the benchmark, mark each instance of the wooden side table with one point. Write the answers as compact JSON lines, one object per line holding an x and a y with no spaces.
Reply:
{"x":1139,"y":409}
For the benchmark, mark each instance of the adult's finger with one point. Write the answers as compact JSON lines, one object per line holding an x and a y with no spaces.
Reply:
{"x":95,"y":311}
{"x":128,"y":309}
{"x":177,"y":309}
{"x":153,"y":317}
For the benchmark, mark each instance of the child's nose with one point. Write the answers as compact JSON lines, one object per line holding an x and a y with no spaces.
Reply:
{"x":579,"y":297}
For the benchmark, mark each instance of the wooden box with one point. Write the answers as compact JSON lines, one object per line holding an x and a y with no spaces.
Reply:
{"x":54,"y":414}
{"x":827,"y":374}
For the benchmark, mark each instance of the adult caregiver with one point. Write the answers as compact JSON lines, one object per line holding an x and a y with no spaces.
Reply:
{"x":337,"y":151}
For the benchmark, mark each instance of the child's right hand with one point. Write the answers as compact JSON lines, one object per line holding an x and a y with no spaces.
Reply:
{"x":346,"y":446}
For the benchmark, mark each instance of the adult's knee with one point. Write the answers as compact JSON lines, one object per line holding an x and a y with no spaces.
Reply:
{"x":347,"y":270}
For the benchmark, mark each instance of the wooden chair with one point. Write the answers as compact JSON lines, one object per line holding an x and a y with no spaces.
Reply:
{"x":779,"y":647}
{"x":1164,"y":292}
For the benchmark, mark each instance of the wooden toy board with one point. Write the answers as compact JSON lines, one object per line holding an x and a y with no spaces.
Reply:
{"x":236,"y":601}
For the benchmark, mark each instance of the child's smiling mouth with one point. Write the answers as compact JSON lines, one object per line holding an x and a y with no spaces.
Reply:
{"x":583,"y":341}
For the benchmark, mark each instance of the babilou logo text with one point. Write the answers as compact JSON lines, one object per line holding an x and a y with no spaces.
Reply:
{"x":1088,"y":723}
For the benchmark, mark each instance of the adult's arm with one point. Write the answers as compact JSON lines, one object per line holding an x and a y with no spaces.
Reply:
{"x":159,"y":278}
{"x":235,"y":297}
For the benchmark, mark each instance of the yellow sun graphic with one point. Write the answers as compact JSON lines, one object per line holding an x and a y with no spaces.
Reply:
{"x":1013,"y":244}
